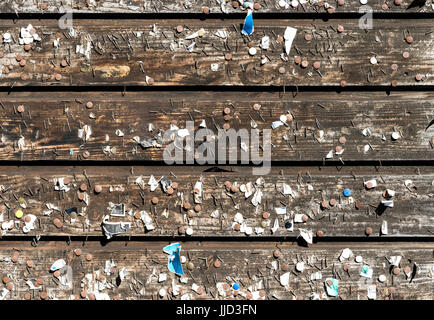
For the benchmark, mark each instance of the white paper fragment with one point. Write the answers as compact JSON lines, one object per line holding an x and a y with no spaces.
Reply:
{"x":372,"y":292}
{"x":85,"y":133}
{"x":153,"y":183}
{"x":373,"y":182}
{"x":265,"y":42}
{"x":256,"y":199}
{"x":284,"y":279}
{"x":307,"y":235}
{"x":275,"y":226}
{"x":196,"y":34}
{"x":384,"y":229}
{"x":395,"y":260}
{"x":346,"y":254}
{"x":289,"y":37}
{"x":58,"y":264}
{"x":280,"y":210}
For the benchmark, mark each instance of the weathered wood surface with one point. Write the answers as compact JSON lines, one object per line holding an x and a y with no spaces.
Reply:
{"x":179,"y":7}
{"x":32,"y":190}
{"x":251,"y":265}
{"x":50,"y":122}
{"x":137,"y":52}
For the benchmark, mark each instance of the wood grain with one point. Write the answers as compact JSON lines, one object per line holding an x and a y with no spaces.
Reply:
{"x":179,"y":7}
{"x":32,"y":187}
{"x":50,"y":122}
{"x":254,"y":268}
{"x":125,"y":52}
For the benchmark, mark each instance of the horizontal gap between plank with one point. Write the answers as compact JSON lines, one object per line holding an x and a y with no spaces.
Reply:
{"x":161,"y":163}
{"x":215,"y":88}
{"x":295,"y":239}
{"x":219,"y":15}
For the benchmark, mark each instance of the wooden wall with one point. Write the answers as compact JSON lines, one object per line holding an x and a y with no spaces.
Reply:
{"x":359,"y":106}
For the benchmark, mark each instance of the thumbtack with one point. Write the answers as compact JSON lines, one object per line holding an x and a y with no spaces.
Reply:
{"x":397,"y":2}
{"x":304,"y":64}
{"x":396,"y":271}
{"x":340,"y":28}
{"x":179,"y":28}
{"x":181,"y":230}
{"x":77,"y":252}
{"x":276,"y":253}
{"x":409,"y":39}
{"x":57,"y":223}
{"x":20,"y":108}
{"x":154,"y":200}
{"x":89,"y":257}
{"x":418,"y":77}
{"x":316,"y":64}
{"x":98,"y":188}
{"x":368,"y":231}
{"x":320,"y":233}
{"x":15,"y":256}
{"x":324,"y":204}
{"x":205,"y":10}
{"x":405,"y":54}
{"x":282,"y":70}
{"x":307,"y":37}
{"x":217,"y":263}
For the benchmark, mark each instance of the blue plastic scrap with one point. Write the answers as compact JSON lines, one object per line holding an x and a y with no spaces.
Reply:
{"x":248,"y":24}
{"x":174,"y":260}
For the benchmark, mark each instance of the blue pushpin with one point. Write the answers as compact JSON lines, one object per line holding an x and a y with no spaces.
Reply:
{"x":347,"y":192}
{"x":235,"y":286}
{"x":248,"y":24}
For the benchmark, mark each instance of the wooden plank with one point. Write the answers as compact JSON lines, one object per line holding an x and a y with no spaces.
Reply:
{"x":125,"y":52}
{"x":251,"y":265}
{"x":33,"y":187}
{"x":50,"y":122}
{"x":179,"y":7}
